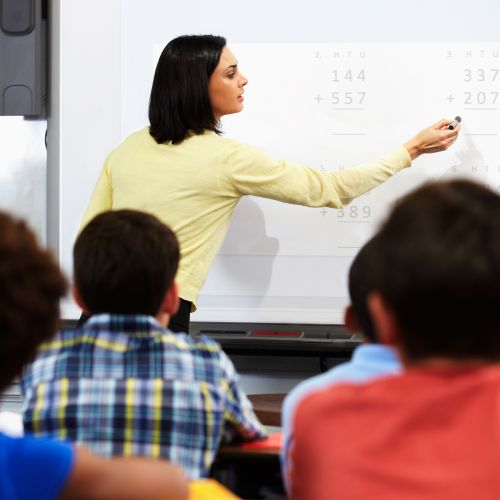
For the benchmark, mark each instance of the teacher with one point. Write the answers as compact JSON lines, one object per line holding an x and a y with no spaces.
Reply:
{"x":181,"y":169}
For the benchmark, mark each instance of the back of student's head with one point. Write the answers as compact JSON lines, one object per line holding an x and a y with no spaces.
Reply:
{"x":360,"y":283}
{"x":31,"y":286}
{"x":124,"y":262}
{"x":438,"y":266}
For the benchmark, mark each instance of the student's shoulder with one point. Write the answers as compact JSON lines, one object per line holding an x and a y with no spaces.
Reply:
{"x":385,"y":390}
{"x":305,"y":388}
{"x":340,"y":374}
{"x":28,"y":444}
{"x":201,"y":344}
{"x":368,"y":364}
{"x":63,"y":338}
{"x":33,"y":449}
{"x":202,"y":351}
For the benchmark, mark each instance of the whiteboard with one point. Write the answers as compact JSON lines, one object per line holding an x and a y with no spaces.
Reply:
{"x":330,"y":85}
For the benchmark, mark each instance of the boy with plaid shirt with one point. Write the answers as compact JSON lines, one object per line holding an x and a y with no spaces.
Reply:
{"x":123,"y":384}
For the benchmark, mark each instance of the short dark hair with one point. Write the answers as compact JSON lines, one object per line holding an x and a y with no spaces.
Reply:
{"x":179,"y":101}
{"x":124,"y":262}
{"x":438,"y":265}
{"x":31,"y":285}
{"x":361,"y":283}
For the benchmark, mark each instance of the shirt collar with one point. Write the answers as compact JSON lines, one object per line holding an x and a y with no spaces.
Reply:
{"x":375,"y":352}
{"x":124,"y":323}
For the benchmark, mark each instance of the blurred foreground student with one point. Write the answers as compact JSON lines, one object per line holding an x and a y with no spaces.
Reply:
{"x":432,"y":432}
{"x":123,"y":384}
{"x":369,"y":360}
{"x":30,"y":288}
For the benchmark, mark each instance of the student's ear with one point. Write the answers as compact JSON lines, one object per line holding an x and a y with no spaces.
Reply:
{"x":384,"y":321}
{"x":350,"y":321}
{"x":79,"y":300}
{"x":170,"y":304}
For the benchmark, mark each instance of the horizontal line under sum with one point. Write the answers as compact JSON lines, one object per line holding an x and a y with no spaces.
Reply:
{"x":481,"y":109}
{"x":279,"y":256}
{"x":354,"y":221}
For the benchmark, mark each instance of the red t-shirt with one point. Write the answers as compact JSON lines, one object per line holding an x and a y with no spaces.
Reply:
{"x":426,"y":434}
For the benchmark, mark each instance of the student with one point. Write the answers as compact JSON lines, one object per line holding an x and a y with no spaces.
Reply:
{"x":123,"y":384}
{"x":433,"y":431}
{"x":181,"y":170}
{"x":31,"y":286}
{"x":369,"y":360}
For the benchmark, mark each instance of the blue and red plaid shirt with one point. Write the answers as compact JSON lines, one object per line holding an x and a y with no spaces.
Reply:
{"x":126,"y":386}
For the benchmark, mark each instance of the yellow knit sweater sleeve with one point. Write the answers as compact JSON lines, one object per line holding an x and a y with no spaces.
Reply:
{"x":253,"y":172}
{"x":102,"y":197}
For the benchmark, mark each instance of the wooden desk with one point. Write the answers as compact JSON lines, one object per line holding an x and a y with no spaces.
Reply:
{"x":268,"y":407}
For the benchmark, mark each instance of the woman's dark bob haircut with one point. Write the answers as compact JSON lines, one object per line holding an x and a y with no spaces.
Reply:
{"x":179,"y":101}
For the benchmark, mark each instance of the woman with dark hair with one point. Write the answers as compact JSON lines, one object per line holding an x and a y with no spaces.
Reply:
{"x":180,"y":101}
{"x":182,"y":171}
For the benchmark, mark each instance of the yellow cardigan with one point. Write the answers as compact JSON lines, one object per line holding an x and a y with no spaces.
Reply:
{"x":193,"y":187}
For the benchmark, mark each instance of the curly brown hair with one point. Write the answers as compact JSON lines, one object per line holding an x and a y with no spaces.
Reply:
{"x":31,"y":285}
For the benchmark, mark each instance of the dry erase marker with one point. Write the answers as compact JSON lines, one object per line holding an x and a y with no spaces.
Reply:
{"x":454,"y":123}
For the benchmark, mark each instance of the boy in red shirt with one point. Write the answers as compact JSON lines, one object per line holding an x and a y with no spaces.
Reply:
{"x":433,"y":432}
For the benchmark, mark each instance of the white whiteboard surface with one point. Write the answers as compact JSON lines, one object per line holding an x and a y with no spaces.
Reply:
{"x":330,"y":85}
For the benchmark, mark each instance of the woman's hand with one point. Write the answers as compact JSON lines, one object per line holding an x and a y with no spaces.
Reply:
{"x":435,"y":138}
